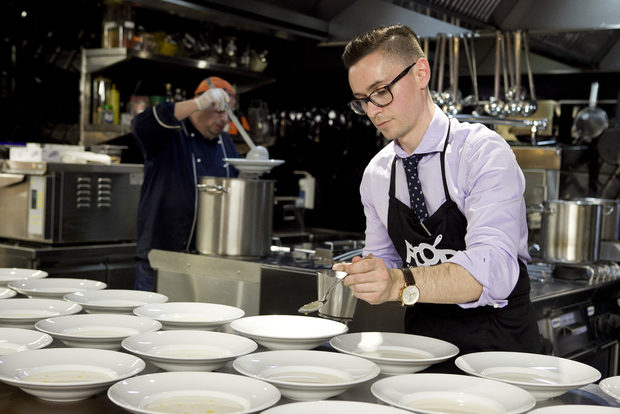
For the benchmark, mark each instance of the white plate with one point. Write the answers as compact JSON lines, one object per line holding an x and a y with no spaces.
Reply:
{"x":576,"y":409}
{"x":114,"y":300}
{"x":9,"y":274}
{"x":24,"y":313}
{"x":544,"y":376}
{"x":253,"y":166}
{"x":193,"y":392}
{"x":190,"y":315}
{"x":449,"y":393}
{"x":6,"y":293}
{"x":288,"y":331}
{"x":54,"y":287}
{"x":334,"y":407}
{"x":188,"y":350}
{"x":611,"y":386}
{"x":19,"y":340}
{"x":307,"y":375}
{"x":102,"y":331}
{"x":67,"y":374}
{"x":395,"y":353}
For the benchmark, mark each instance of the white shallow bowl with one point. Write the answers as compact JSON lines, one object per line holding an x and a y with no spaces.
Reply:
{"x":9,"y":274}
{"x":576,"y":409}
{"x":24,"y":313}
{"x":254,"y":166}
{"x":101,"y":331}
{"x":67,"y":374}
{"x":193,"y":392}
{"x":180,"y":350}
{"x":334,"y":407}
{"x":544,"y":376}
{"x":190,"y":315}
{"x":19,"y":340}
{"x":6,"y":293}
{"x":395,"y":353}
{"x":54,"y":287}
{"x":449,"y":393}
{"x":307,"y":375}
{"x":288,"y":331}
{"x":114,"y":300}
{"x":611,"y":387}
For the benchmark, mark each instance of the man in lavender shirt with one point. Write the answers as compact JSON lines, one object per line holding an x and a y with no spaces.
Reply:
{"x":457,"y":257}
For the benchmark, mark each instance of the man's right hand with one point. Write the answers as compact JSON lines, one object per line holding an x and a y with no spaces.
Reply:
{"x":215,"y":99}
{"x":370,"y":280}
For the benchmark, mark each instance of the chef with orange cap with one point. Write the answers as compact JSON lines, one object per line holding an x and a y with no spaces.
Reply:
{"x":180,"y":142}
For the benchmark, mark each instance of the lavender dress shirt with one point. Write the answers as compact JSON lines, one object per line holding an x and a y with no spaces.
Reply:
{"x":485,"y":182}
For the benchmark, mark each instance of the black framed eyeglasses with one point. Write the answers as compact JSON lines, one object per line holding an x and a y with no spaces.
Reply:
{"x":379,"y":97}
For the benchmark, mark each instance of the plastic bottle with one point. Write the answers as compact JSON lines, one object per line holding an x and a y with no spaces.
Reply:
{"x":169,"y":94}
{"x":115,"y":101}
{"x":306,"y":188}
{"x":178,"y":96}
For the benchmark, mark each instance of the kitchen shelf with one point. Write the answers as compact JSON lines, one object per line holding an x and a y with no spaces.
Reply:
{"x":98,"y":60}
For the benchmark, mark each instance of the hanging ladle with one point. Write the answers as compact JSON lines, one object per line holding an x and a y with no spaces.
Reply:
{"x":318,"y":304}
{"x":591,"y":121}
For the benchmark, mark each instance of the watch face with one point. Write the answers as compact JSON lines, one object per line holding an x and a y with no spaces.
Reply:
{"x":411,"y":294}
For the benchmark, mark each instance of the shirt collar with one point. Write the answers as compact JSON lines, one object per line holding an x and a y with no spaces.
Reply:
{"x":433,"y":139}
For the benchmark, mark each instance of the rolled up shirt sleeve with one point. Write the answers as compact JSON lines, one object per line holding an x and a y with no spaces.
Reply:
{"x":492,"y":202}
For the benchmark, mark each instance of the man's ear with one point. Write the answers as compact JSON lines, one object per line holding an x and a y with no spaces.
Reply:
{"x":422,"y":72}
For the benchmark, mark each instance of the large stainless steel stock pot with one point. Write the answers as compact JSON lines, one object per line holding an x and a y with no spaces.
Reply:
{"x":235,"y":216}
{"x":571,"y":231}
{"x":610,"y":222}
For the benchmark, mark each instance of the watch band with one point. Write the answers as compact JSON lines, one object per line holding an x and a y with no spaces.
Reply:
{"x":409,"y":279}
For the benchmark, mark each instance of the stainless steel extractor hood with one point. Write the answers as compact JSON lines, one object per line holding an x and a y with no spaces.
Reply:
{"x":577,"y":34}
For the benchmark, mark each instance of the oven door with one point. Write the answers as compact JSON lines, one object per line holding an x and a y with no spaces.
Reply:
{"x":24,"y":210}
{"x":602,"y":356}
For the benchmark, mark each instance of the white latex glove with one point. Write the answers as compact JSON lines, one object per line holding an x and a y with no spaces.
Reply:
{"x":213,"y":99}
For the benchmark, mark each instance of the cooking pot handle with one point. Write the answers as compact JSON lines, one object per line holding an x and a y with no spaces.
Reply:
{"x":539,"y":208}
{"x":212,"y":189}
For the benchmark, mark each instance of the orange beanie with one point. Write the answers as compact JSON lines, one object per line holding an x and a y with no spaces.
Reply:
{"x":217,"y":82}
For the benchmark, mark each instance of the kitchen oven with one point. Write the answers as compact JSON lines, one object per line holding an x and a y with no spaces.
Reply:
{"x":578,"y":312}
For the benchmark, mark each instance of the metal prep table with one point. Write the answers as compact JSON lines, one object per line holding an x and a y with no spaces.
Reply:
{"x":264,"y":286}
{"x":15,"y":401}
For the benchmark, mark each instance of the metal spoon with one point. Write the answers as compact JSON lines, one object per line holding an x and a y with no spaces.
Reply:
{"x":318,"y":304}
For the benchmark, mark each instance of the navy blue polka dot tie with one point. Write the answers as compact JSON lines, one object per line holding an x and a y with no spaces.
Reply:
{"x":415,"y":188}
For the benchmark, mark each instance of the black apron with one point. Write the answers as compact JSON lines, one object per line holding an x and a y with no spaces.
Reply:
{"x":484,"y":328}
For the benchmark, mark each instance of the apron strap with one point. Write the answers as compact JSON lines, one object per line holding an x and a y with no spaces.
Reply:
{"x":443,"y":165}
{"x":392,"y":192}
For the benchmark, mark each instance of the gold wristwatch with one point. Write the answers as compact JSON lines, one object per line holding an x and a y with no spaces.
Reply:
{"x":409,"y":294}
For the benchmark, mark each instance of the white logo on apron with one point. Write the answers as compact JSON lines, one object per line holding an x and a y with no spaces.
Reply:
{"x":419,"y":253}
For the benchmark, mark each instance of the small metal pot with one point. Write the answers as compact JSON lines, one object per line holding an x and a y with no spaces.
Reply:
{"x":571,"y":231}
{"x":610,"y":222}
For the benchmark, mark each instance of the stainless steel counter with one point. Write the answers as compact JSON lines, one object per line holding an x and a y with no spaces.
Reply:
{"x":281,"y":283}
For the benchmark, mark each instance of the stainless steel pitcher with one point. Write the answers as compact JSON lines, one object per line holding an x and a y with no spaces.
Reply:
{"x":235,"y":216}
{"x":340,"y":302}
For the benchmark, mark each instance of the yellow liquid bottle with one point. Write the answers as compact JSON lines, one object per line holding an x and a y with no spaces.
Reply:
{"x":115,"y":101}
